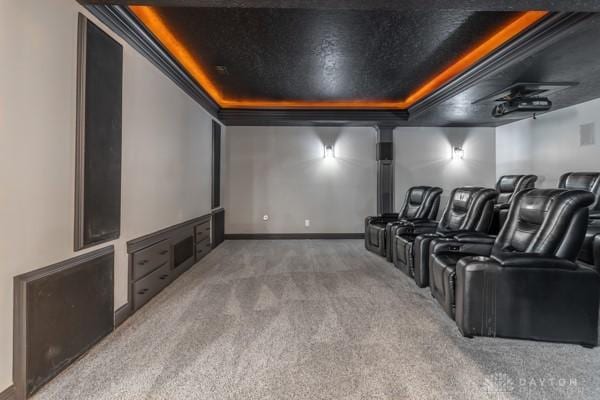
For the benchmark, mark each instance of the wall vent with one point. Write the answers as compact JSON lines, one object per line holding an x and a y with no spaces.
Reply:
{"x":587,"y":134}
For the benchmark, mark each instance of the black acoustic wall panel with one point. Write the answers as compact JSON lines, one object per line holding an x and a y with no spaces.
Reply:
{"x":218,"y":227}
{"x":216,"y":164}
{"x":61,"y":311}
{"x":98,"y":186}
{"x":385,"y":151}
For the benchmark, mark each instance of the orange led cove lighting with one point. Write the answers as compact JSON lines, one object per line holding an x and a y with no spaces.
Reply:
{"x":155,"y":24}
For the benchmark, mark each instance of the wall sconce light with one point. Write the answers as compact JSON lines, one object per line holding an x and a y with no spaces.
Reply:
{"x":329,"y":152}
{"x":458,"y":153}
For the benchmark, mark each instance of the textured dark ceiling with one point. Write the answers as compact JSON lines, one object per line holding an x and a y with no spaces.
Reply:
{"x":280,"y":63}
{"x":424,"y":5}
{"x":575,"y":57}
{"x":326,"y":55}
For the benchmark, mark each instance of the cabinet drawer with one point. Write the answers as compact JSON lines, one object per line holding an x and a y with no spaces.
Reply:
{"x":151,"y":258}
{"x":148,"y":287}
{"x":202,"y":231}
{"x":202,"y":249}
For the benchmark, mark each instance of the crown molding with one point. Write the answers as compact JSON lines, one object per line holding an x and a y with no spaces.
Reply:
{"x":256,"y":117}
{"x":550,"y":29}
{"x":406,"y":5}
{"x":123,"y":23}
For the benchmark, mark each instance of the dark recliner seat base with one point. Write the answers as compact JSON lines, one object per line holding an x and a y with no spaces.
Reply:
{"x":527,"y":286}
{"x":571,"y":317}
{"x":470,"y":209}
{"x":376,"y":238}
{"x":402,"y":253}
{"x":443,"y":280}
{"x":421,"y":202}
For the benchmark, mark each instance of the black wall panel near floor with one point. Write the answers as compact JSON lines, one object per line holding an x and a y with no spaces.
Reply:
{"x":61,"y":311}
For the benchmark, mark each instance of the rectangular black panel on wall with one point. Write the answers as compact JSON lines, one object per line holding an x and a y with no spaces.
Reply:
{"x":60,"y":312}
{"x":218,"y":227}
{"x":99,"y":118}
{"x":385,"y":151}
{"x":385,"y":187}
{"x":216,"y":164}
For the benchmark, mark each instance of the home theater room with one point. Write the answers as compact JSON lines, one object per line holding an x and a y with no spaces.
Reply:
{"x":299,"y":199}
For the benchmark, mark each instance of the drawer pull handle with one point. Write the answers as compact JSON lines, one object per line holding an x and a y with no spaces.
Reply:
{"x":143,"y":262}
{"x":143,"y":291}
{"x":207,"y":229}
{"x":162,"y":277}
{"x":162,"y":253}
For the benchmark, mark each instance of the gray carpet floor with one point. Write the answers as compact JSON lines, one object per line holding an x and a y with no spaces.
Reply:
{"x":312,"y":319}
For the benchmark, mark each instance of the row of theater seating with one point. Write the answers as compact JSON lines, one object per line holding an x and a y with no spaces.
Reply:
{"x":514,"y":261}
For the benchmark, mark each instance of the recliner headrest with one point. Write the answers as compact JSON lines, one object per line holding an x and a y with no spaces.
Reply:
{"x":533,"y":209}
{"x":469,"y":209}
{"x":545,"y":221}
{"x":588,"y":181}
{"x":416,"y":195}
{"x":462,"y":199}
{"x":421,"y":202}
{"x":507,"y":183}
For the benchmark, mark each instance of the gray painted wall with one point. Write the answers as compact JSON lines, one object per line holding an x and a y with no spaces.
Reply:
{"x":423,"y":157}
{"x":549,"y":145}
{"x":281,"y":172}
{"x":166,"y":150}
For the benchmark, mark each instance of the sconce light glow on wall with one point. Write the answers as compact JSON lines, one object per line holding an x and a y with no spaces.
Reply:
{"x":458,"y":153}
{"x":328,"y":154}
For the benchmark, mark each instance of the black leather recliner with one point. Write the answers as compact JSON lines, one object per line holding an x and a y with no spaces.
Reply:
{"x":596,"y":251}
{"x":523,"y":283}
{"x":589,"y":181}
{"x":421,"y":202}
{"x":590,"y":250}
{"x":469,"y":209}
{"x":422,"y":217}
{"x":507,"y":186}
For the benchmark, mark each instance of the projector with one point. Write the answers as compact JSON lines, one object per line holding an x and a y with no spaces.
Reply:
{"x":522,"y":106}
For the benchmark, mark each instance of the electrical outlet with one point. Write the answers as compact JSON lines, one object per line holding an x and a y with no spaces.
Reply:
{"x":265,"y":217}
{"x":307,"y":223}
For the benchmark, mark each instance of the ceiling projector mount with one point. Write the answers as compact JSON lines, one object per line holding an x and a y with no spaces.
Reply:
{"x":523,"y":98}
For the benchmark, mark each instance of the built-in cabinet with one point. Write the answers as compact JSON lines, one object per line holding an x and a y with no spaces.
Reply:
{"x":202,"y":239}
{"x":155,"y":260}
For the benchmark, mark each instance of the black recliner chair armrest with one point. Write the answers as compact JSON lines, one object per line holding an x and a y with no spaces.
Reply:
{"x":381,"y":219}
{"x":390,"y":215}
{"x":532,"y":260}
{"x":557,"y":304}
{"x":422,"y":221}
{"x":503,"y":206}
{"x":411,"y":223}
{"x":475,"y":237}
{"x":416,"y":227}
{"x":451,"y":245}
{"x":398,"y":222}
{"x":420,"y":228}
